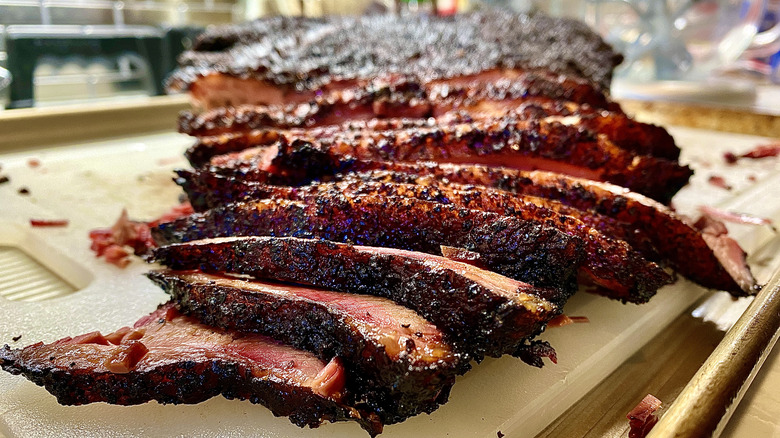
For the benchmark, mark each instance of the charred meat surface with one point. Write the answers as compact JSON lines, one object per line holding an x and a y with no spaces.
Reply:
{"x":396,"y":362}
{"x":481,"y":312}
{"x":274,"y":58}
{"x":246,"y":127}
{"x":646,"y":225}
{"x":525,"y":250}
{"x":507,"y":142}
{"x":172,"y":358}
{"x":611,"y":265}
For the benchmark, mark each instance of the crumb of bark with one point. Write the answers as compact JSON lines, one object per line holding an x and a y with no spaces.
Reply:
{"x":16,"y":338}
{"x":730,"y":157}
{"x":500,"y":434}
{"x":24,"y":191}
{"x":4,"y":179}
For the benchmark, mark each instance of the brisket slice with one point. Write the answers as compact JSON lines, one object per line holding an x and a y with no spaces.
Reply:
{"x":233,"y":129}
{"x":645,"y":224}
{"x":174,"y":359}
{"x":525,"y":250}
{"x":481,"y":312}
{"x":397,"y":364}
{"x":500,"y":142}
{"x":290,"y":56}
{"x":611,"y":265}
{"x":708,"y":257}
{"x":486,"y":96}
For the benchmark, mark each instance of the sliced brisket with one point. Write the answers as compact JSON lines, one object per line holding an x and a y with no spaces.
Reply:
{"x":397,"y":363}
{"x":525,"y":250}
{"x":174,"y":359}
{"x":481,"y":312}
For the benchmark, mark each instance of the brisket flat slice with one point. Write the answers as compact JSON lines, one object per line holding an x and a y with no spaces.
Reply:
{"x":481,"y":312}
{"x":397,"y":364}
{"x":643,"y":223}
{"x":235,"y":129}
{"x":174,"y":359}
{"x":707,"y":256}
{"x":404,"y":99}
{"x":611,"y":265}
{"x":500,"y":142}
{"x":525,"y":250}
{"x":288,"y":57}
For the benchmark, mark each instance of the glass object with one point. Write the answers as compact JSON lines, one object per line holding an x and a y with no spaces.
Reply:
{"x":679,"y":39}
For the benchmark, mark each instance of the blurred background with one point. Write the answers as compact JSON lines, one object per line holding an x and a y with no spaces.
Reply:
{"x":55,"y":52}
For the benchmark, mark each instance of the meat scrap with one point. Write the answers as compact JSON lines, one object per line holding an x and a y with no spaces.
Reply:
{"x":128,"y":237}
{"x":718,"y":181}
{"x":643,"y":417}
{"x":49,"y":222}
{"x":761,"y":151}
{"x":737,"y":218}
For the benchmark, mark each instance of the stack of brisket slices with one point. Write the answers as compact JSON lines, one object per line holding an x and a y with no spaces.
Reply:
{"x":381,"y":201}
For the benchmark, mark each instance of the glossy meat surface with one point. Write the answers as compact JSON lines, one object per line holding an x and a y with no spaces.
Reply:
{"x":645,"y":224}
{"x":234,"y":129}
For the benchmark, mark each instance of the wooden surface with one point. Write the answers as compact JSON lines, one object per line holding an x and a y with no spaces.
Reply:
{"x":33,"y":128}
{"x":699,"y":115}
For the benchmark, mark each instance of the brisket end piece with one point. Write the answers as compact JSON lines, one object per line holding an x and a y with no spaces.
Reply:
{"x":171,"y":358}
{"x":524,"y":250}
{"x":290,"y":56}
{"x":481,"y":312}
{"x":396,"y":363}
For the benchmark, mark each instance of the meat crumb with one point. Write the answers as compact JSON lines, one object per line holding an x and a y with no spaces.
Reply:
{"x":642,"y":418}
{"x":128,"y":237}
{"x":719,"y":181}
{"x":500,"y":434}
{"x":33,"y":162}
{"x":16,"y":338}
{"x":49,"y":222}
{"x":4,"y":179}
{"x":24,"y":191}
{"x":760,"y":151}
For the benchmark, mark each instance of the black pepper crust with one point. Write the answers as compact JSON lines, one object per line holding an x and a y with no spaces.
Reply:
{"x":492,"y":324}
{"x":393,"y":389}
{"x":611,"y":264}
{"x":242,"y":131}
{"x":303,"y":53}
{"x":504,"y":141}
{"x":649,"y":227}
{"x":400,"y":98}
{"x":75,"y":373}
{"x":524,"y":250}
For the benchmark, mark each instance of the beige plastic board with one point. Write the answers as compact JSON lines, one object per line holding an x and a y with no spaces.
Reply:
{"x":89,"y":185}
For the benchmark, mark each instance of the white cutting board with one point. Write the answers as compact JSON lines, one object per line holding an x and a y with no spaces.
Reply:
{"x":90,"y":184}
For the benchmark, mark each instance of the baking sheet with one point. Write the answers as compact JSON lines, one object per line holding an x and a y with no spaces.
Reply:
{"x":90,"y":184}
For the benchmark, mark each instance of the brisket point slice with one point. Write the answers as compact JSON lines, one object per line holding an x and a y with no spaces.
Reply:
{"x":396,"y":363}
{"x":171,"y":358}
